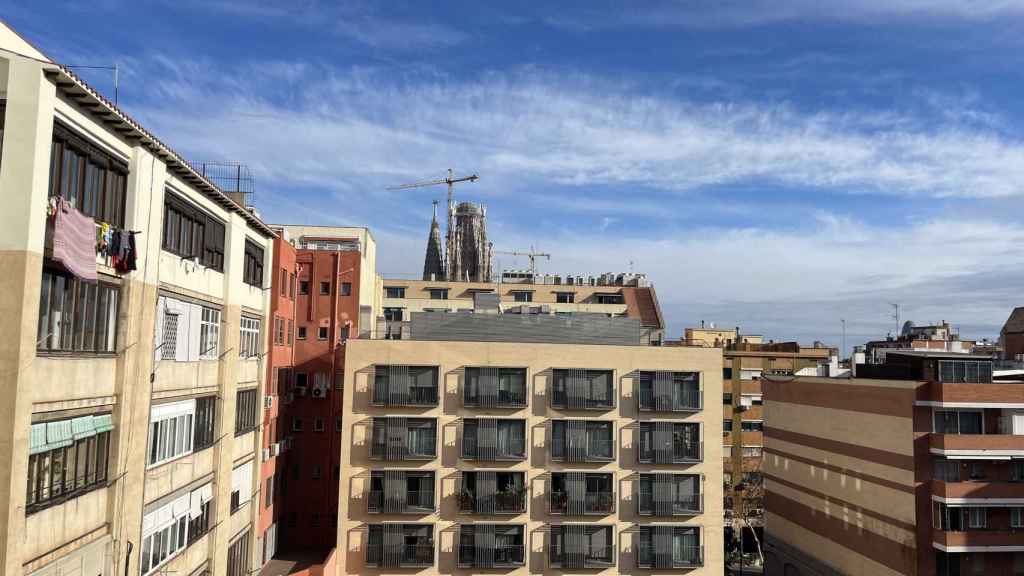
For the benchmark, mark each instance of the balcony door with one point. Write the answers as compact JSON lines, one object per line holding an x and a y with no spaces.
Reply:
{"x":1018,"y":423}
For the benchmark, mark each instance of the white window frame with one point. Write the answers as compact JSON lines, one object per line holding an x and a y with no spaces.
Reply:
{"x":983,"y":516}
{"x":241,"y":482}
{"x":172,"y":429}
{"x":209,"y":333}
{"x":249,"y":341}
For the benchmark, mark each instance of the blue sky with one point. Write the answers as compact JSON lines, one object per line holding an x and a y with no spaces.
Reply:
{"x":774,"y":165}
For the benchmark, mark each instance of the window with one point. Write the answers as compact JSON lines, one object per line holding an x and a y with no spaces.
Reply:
{"x":245,"y":410}
{"x":279,"y":331}
{"x":241,"y":485}
{"x":284,"y":282}
{"x":316,"y":469}
{"x":206,"y":414}
{"x":976,"y":470}
{"x":291,"y":285}
{"x":946,"y":470}
{"x":608,"y":299}
{"x":209,"y":333}
{"x":170,"y":431}
{"x":1016,"y":517}
{"x":394,"y":292}
{"x":303,"y":287}
{"x":494,"y":387}
{"x":398,"y":385}
{"x":346,"y":288}
{"x":753,"y":426}
{"x":393,"y":314}
{"x":169,"y":344}
{"x":977,"y":517}
{"x":577,"y":388}
{"x":752,"y":451}
{"x":727,"y":425}
{"x":252,"y":273}
{"x":172,"y":527}
{"x":582,"y":440}
{"x":337,"y":424}
{"x":493,"y":439}
{"x":958,"y":421}
{"x":318,"y":424}
{"x":67,"y":458}
{"x":190,"y":232}
{"x":581,"y":546}
{"x":76,"y":316}
{"x":727,"y":398}
{"x":239,"y":557}
{"x":565,"y":297}
{"x":302,"y":332}
{"x":325,"y":288}
{"x":249,"y":339}
{"x":1016,"y":471}
{"x":296,"y":424}
{"x":291,"y":331}
{"x":345,"y":331}
{"x":522,"y":296}
{"x":301,"y":380}
{"x":322,"y":333}
{"x":86,"y":176}
{"x":438,"y":293}
{"x":975,"y":371}
{"x":268,"y":492}
{"x":199,"y":525}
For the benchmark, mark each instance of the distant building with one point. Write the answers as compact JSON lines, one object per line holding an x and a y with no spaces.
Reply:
{"x":710,"y":336}
{"x":940,"y":337}
{"x":1012,"y":336}
{"x":914,"y":467}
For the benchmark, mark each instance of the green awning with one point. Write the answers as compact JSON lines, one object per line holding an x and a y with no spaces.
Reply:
{"x":83,"y":427}
{"x":103,"y":423}
{"x":38,"y":439}
{"x":58,"y":434}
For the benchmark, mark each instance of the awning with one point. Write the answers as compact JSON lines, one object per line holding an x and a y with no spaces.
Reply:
{"x":59,"y":434}
{"x":83,"y":427}
{"x":38,"y":439}
{"x":103,"y":423}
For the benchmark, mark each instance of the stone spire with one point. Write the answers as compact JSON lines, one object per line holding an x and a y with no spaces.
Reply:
{"x":433,"y":267}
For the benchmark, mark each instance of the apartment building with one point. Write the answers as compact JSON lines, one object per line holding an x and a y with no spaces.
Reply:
{"x":463,"y":456}
{"x":402,"y":298}
{"x":913,"y":467}
{"x":280,"y":337}
{"x":336,"y":298}
{"x":132,"y":287}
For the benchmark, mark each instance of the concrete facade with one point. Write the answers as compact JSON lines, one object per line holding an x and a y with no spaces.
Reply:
{"x":101,"y":521}
{"x":536,"y":517}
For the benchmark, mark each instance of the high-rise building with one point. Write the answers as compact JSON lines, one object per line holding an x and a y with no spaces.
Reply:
{"x":468,"y":251}
{"x":913,"y":467}
{"x":134,"y":300}
{"x":528,"y":442}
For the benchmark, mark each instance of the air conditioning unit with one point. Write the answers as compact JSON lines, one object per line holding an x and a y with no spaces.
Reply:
{"x":268,"y":402}
{"x":319,"y":391}
{"x":275,"y":449}
{"x":266,"y":454}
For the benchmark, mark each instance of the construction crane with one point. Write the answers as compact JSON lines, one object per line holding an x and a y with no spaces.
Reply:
{"x":451,"y":181}
{"x":532,"y":255}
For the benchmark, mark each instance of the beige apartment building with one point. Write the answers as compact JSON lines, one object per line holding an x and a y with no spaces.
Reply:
{"x":134,"y":297}
{"x":461,"y":456}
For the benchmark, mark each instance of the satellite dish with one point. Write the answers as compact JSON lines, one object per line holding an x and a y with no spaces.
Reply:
{"x":908,"y":326}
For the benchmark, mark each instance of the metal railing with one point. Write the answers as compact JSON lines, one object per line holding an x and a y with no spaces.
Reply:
{"x":505,"y":502}
{"x":505,"y":555}
{"x":682,"y":504}
{"x":678,"y":557}
{"x":415,"y":501}
{"x":414,"y":397}
{"x":505,"y":398}
{"x":593,"y":502}
{"x":469,"y":450}
{"x":560,"y":399}
{"x":682,"y":452}
{"x":597,"y":450}
{"x":592,"y":557}
{"x":680,"y":401}
{"x":409,"y":555}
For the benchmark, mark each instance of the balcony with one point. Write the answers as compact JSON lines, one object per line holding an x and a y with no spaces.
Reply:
{"x":592,"y":503}
{"x":412,"y":386}
{"x":669,"y":443}
{"x":582,"y":441}
{"x":681,"y":401}
{"x":504,"y":502}
{"x":979,"y":489}
{"x":402,"y":556}
{"x":680,"y":453}
{"x":415,"y":502}
{"x":682,"y":505}
{"x":495,"y":388}
{"x":977,"y":444}
{"x":506,"y":556}
{"x":580,"y":389}
{"x":676,"y":558}
{"x":403,"y":439}
{"x":590,"y":557}
{"x":493,"y":439}
{"x":979,"y":540}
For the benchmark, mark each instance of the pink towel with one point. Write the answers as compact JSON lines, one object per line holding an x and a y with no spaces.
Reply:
{"x":74,"y":241}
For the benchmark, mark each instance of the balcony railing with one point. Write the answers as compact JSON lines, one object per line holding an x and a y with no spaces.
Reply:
{"x":682,"y":505}
{"x":505,"y":399}
{"x":408,"y":556}
{"x":427,"y":450}
{"x":421,"y":396}
{"x":416,"y":501}
{"x":560,"y":399}
{"x":678,"y":557}
{"x":682,"y":452}
{"x":469,"y":451}
{"x":598,"y":503}
{"x":681,"y":401}
{"x":506,"y":502}
{"x":592,"y":557}
{"x":596,"y":450}
{"x":506,"y":555}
